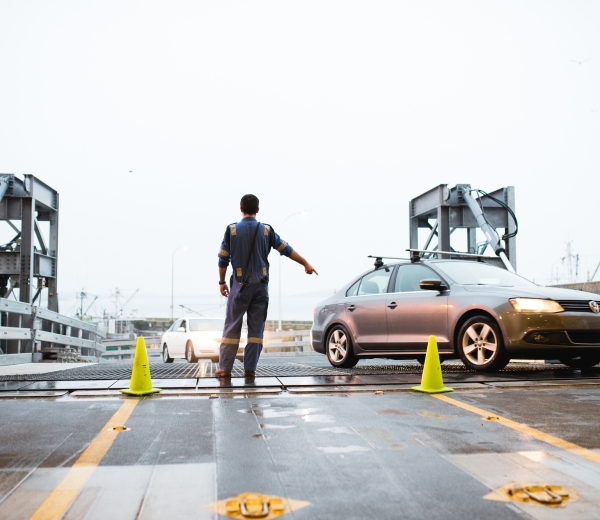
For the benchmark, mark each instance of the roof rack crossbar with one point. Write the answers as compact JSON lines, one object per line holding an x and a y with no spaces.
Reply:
{"x":454,"y":253}
{"x":388,"y":257}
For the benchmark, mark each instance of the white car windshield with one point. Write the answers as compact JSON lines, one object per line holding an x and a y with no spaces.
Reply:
{"x":477,"y":273}
{"x":199,"y":324}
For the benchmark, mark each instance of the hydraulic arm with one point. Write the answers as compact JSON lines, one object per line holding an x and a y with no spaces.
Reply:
{"x":490,"y":233}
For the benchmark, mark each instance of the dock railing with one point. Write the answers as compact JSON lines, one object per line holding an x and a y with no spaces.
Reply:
{"x":28,"y":331}
{"x":287,"y":341}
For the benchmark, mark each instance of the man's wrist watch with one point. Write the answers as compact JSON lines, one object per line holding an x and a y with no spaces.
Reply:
{"x":222,"y":283}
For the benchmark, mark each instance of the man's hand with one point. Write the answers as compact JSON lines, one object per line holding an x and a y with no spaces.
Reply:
{"x":309,"y":269}
{"x":223,"y":286}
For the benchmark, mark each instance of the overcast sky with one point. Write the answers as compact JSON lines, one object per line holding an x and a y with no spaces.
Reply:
{"x":153,"y":118}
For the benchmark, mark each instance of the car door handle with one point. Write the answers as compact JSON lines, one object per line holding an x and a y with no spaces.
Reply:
{"x":393,"y":305}
{"x":351,"y":308}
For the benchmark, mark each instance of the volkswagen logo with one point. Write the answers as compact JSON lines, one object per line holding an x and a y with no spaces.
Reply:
{"x":594,"y":306}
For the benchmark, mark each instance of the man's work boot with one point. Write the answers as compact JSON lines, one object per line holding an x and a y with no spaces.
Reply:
{"x":250,"y":373}
{"x":223,"y":373}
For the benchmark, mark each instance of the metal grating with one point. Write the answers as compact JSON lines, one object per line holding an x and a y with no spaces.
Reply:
{"x":266,"y":368}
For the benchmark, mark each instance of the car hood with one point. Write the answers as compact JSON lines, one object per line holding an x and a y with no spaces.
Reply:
{"x":553,"y":293}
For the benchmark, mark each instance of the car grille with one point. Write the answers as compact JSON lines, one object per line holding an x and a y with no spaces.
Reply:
{"x":584,"y":336}
{"x":575,"y":305}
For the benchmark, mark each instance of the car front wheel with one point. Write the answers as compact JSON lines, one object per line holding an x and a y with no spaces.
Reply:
{"x":339,"y":348}
{"x":480,"y":345}
{"x":166,"y":357}
{"x":189,"y":353}
{"x":583,"y":361}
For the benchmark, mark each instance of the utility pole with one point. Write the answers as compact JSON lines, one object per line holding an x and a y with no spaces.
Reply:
{"x":303,"y":213}
{"x":184,"y":248}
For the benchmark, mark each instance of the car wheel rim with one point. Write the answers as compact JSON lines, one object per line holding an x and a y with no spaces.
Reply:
{"x":480,"y":343}
{"x":337,"y":346}
{"x":188,"y":353}
{"x":166,"y":354}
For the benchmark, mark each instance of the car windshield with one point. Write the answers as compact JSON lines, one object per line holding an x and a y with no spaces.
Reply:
{"x":198,"y":324}
{"x":476,"y":273}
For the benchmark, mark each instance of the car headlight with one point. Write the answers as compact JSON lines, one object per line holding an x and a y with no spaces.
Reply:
{"x":535,"y":305}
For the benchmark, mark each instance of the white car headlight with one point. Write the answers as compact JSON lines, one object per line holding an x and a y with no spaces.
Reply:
{"x":535,"y":305}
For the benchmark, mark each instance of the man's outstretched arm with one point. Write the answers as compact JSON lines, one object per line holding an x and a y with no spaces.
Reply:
{"x":309,"y":269}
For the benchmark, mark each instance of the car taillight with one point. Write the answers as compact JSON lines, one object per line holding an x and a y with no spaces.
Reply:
{"x":314,"y":312}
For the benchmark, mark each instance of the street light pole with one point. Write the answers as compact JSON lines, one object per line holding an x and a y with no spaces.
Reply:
{"x":173,"y":275}
{"x":303,"y":213}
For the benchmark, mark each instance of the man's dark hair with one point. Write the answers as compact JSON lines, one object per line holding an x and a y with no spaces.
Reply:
{"x":249,"y":204}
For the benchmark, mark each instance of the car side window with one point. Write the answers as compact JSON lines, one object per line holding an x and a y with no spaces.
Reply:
{"x":354,"y":289}
{"x":375,"y":282}
{"x":183,"y":324}
{"x":409,"y":277}
{"x":176,"y":325}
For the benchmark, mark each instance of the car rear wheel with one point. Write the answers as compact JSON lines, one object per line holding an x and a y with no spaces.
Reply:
{"x":166,"y":357}
{"x":339,"y":348}
{"x":480,"y":345}
{"x":583,"y":361}
{"x":189,"y":353}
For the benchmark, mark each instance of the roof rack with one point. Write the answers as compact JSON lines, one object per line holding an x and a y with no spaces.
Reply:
{"x":379,"y":259}
{"x":416,"y":257}
{"x":455,"y":253}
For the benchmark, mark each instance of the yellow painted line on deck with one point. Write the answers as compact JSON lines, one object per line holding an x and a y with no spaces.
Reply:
{"x":527,"y":430}
{"x":55,"y":506}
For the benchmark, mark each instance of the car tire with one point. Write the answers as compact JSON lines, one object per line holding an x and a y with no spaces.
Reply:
{"x":240,"y":358}
{"x":166,"y":357}
{"x":480,"y":345}
{"x":582,"y":361}
{"x":339,"y":348}
{"x":215,"y":359}
{"x":189,"y":353}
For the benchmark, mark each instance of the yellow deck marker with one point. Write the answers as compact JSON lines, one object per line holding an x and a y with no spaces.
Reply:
{"x":256,"y":505}
{"x":528,"y":430}
{"x":57,"y":503}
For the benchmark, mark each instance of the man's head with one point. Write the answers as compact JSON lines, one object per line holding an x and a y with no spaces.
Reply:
{"x":249,"y":204}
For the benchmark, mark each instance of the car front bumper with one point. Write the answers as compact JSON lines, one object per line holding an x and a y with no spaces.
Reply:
{"x":561,"y":331}
{"x":213,"y":351}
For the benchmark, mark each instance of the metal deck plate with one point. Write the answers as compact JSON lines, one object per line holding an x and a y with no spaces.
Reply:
{"x":311,"y":367}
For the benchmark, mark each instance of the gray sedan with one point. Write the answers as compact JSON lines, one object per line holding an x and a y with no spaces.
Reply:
{"x":481,"y":313}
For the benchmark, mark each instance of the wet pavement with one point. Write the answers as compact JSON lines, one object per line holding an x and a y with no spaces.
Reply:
{"x":329,"y":446}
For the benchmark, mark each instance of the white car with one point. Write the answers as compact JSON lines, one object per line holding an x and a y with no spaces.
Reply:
{"x":194,"y":338}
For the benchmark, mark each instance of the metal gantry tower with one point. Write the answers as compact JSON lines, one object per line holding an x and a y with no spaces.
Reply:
{"x":443,"y":210}
{"x":28,"y":262}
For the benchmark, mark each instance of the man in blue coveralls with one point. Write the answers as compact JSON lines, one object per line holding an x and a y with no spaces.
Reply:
{"x":246,"y":245}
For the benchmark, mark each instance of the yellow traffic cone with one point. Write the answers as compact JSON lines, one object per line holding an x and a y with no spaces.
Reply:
{"x":432,"y":382}
{"x":141,"y":383}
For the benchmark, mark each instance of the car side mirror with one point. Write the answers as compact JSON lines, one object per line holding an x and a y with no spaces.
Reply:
{"x":181,"y":329}
{"x":431,"y":284}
